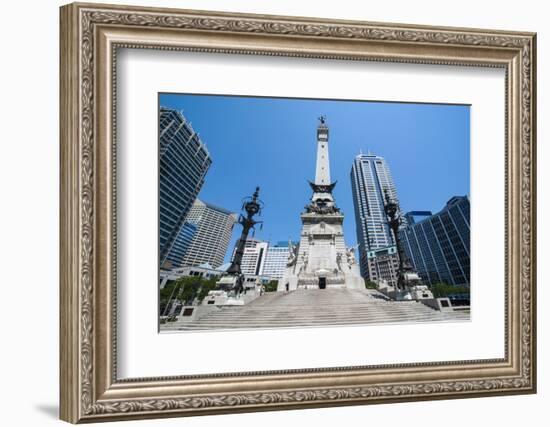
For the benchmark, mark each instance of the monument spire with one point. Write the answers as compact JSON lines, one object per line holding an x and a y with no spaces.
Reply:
{"x":322,"y":187}
{"x":322,"y":171}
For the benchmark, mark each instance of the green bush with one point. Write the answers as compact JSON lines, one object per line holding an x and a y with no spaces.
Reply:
{"x":271,"y":286}
{"x":441,"y":290}
{"x":369,"y":284}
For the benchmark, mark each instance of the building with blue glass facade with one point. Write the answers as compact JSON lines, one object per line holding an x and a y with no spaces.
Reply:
{"x":181,"y":245}
{"x":183,"y":163}
{"x":438,"y":245}
{"x":370,"y":179}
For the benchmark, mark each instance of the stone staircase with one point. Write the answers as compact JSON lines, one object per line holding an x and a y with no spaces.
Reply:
{"x":316,"y":307}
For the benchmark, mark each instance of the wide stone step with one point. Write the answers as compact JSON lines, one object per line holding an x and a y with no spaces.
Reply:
{"x":320,"y":314}
{"x":315,"y":307}
{"x":308,"y":322}
{"x":292,"y":316}
{"x":271,"y":323}
{"x":230,"y":326}
{"x":320,"y":309}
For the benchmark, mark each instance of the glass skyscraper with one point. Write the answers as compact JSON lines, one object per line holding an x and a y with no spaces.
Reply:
{"x":276,"y":260}
{"x":439,"y":245}
{"x":183,"y":163}
{"x":211,"y":240}
{"x":181,"y":245}
{"x":370,"y":180}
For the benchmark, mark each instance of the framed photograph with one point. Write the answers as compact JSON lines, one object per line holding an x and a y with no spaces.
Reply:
{"x":266,"y":212}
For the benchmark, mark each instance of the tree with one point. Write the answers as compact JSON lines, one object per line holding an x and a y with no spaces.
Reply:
{"x":186,"y":290}
{"x":206,"y":286}
{"x":190,"y":287}
{"x":167,"y":294}
{"x":167,"y":290}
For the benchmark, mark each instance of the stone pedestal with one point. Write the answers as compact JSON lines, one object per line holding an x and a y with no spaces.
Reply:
{"x":322,"y":260}
{"x":225,"y":296}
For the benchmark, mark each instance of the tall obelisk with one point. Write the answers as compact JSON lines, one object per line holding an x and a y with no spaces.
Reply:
{"x":322,"y":187}
{"x":322,"y":172}
{"x":321,"y":260}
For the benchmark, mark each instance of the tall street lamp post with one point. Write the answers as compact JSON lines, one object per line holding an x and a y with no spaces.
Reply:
{"x":252,"y":206}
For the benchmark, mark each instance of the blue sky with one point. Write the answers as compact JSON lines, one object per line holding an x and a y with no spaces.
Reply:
{"x":271,"y":142}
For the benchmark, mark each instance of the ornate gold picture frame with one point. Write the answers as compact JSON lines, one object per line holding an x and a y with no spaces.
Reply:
{"x":91,"y":34}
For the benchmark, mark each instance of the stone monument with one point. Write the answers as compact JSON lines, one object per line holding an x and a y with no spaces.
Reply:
{"x":321,"y":259}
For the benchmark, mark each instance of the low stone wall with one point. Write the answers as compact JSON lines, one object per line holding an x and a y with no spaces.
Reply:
{"x":190,"y":313}
{"x":440,"y":304}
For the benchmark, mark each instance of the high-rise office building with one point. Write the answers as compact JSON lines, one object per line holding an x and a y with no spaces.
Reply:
{"x":181,"y":244}
{"x":439,"y":245}
{"x":370,"y":180}
{"x":211,"y":240}
{"x":253,"y":260}
{"x":183,"y":163}
{"x":276,"y":260}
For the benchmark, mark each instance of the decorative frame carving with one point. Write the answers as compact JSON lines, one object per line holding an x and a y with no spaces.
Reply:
{"x":90,"y":36}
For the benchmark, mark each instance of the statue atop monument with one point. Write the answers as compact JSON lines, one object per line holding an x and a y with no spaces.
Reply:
{"x":350,"y":254}
{"x":292,"y":254}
